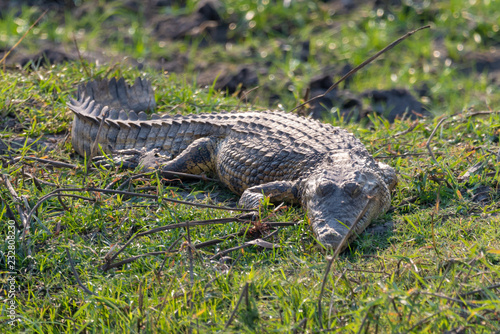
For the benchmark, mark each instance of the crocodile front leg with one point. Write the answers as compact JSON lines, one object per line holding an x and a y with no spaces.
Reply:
{"x":277,"y":191}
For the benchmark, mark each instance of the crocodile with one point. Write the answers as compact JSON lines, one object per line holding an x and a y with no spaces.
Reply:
{"x":279,"y":155}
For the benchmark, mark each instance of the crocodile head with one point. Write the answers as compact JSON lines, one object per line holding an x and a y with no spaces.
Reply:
{"x":334,"y":198}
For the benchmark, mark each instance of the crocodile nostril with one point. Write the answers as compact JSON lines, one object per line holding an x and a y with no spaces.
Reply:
{"x":353,"y":189}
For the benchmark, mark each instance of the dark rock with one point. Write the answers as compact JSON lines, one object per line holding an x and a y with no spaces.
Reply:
{"x":343,"y":6}
{"x":423,"y":90}
{"x":392,"y":104}
{"x":481,"y":61}
{"x":385,"y":4}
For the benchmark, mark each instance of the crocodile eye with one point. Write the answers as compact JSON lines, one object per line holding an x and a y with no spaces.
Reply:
{"x":325,"y":188}
{"x":353,"y":189}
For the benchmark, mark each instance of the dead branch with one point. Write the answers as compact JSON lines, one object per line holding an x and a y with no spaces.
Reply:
{"x":302,"y":323}
{"x":132,"y":259}
{"x":188,"y":176}
{"x":85,"y":67}
{"x":244,"y":96}
{"x":19,"y":201}
{"x":491,"y":287}
{"x":246,"y":244}
{"x":455,"y":300}
{"x":398,"y":156}
{"x":110,"y":191}
{"x":57,"y":164}
{"x":366,"y":318}
{"x":477,"y":113}
{"x":10,"y":188}
{"x":423,"y":321}
{"x":77,"y":277}
{"x":128,"y":193}
{"x":244,"y":292}
{"x":410,"y":129}
{"x":432,"y":135}
{"x":124,"y":184}
{"x":169,"y":250}
{"x":190,"y":254}
{"x":217,"y":240}
{"x":95,"y":144}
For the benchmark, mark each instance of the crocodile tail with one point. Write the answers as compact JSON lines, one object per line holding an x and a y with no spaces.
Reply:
{"x":111,"y":114}
{"x":110,"y":100}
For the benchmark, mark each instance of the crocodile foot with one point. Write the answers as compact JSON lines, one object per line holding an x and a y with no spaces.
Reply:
{"x":148,"y":160}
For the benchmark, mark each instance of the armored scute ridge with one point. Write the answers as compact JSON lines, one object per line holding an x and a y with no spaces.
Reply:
{"x":255,"y":154}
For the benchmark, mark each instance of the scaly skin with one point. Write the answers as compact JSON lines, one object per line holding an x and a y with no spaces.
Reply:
{"x":255,"y":154}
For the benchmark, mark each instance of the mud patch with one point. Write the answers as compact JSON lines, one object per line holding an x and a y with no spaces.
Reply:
{"x":205,"y":22}
{"x":395,"y":104}
{"x":482,"y":62}
{"x":12,"y":124}
{"x":50,"y":55}
{"x":229,"y":79}
{"x":46,"y":57}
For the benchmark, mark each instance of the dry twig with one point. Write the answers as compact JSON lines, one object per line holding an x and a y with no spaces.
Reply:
{"x":427,"y":144}
{"x":85,"y":67}
{"x":302,"y":323}
{"x":57,"y":164}
{"x":410,"y":129}
{"x":366,"y":318}
{"x":246,"y":244}
{"x":57,"y":192}
{"x":77,"y":277}
{"x":244,"y":292}
{"x":491,"y":287}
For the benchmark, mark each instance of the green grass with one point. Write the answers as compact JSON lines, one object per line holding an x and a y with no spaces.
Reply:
{"x":415,"y":276}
